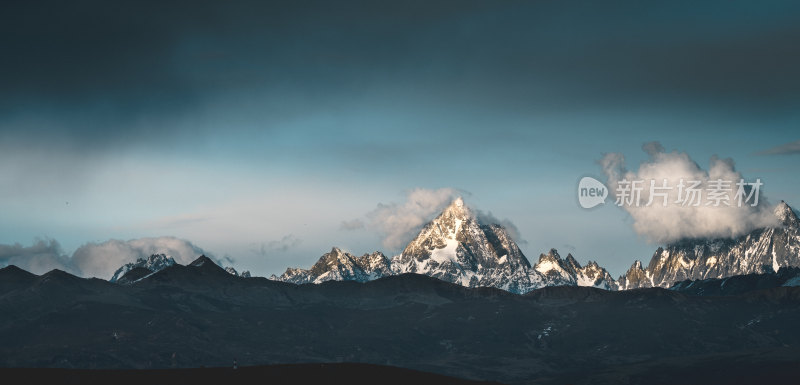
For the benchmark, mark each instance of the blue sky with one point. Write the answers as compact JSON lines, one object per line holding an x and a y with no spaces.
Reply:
{"x":248,"y":125}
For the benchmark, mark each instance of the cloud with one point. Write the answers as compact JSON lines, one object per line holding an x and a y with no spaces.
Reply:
{"x":788,"y":148}
{"x":177,"y":221}
{"x":354,"y":224}
{"x":511,"y":228}
{"x":96,"y":259}
{"x":278,"y":246}
{"x":44,"y":255}
{"x":659,"y":223}
{"x":102,"y":259}
{"x":399,"y":223}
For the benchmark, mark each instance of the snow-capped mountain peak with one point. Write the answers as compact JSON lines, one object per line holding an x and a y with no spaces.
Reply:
{"x":786,"y":215}
{"x":595,"y":276}
{"x":233,"y":272}
{"x":455,"y":247}
{"x":339,"y":265}
{"x":555,"y":269}
{"x":154,"y":262}
{"x":567,"y":271}
{"x":571,"y":264}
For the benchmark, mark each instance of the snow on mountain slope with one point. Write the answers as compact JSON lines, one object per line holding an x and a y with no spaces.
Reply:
{"x":567,"y":271}
{"x":452,"y":247}
{"x":456,"y":247}
{"x":338,"y":265}
{"x":232,"y":271}
{"x":761,"y":251}
{"x":155,"y":262}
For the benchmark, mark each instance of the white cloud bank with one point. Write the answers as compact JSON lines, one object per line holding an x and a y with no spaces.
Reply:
{"x":660,"y":224}
{"x":44,"y":255}
{"x":96,"y":259}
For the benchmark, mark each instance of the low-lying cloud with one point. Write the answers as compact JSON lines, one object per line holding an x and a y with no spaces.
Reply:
{"x":675,"y":221}
{"x":44,"y":255}
{"x":102,"y":259}
{"x":784,"y":149}
{"x":96,"y":259}
{"x":277,"y":246}
{"x":354,"y":224}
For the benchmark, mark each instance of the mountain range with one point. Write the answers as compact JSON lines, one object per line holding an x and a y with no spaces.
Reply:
{"x":456,"y":247}
{"x":143,"y":267}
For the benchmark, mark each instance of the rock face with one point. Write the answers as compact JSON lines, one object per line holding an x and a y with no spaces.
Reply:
{"x":131,"y":272}
{"x":338,"y":265}
{"x":232,"y":271}
{"x":761,"y":251}
{"x":455,"y":247}
{"x":134,"y":275}
{"x":155,"y":262}
{"x":568,"y":272}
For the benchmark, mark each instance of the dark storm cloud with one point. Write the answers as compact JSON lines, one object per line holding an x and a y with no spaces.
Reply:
{"x":87,"y":71}
{"x":100,"y":72}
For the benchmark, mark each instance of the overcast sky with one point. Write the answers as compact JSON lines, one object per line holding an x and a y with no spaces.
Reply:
{"x":255,"y":130}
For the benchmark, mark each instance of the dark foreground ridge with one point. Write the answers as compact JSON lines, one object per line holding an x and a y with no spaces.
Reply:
{"x":312,"y":374}
{"x":754,"y":368}
{"x":199,"y":315}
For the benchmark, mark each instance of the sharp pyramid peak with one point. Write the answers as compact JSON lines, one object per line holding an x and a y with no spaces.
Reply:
{"x":550,"y":256}
{"x":782,"y":209}
{"x":570,"y":260}
{"x":457,"y":208}
{"x":338,"y":254}
{"x":785,"y":213}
